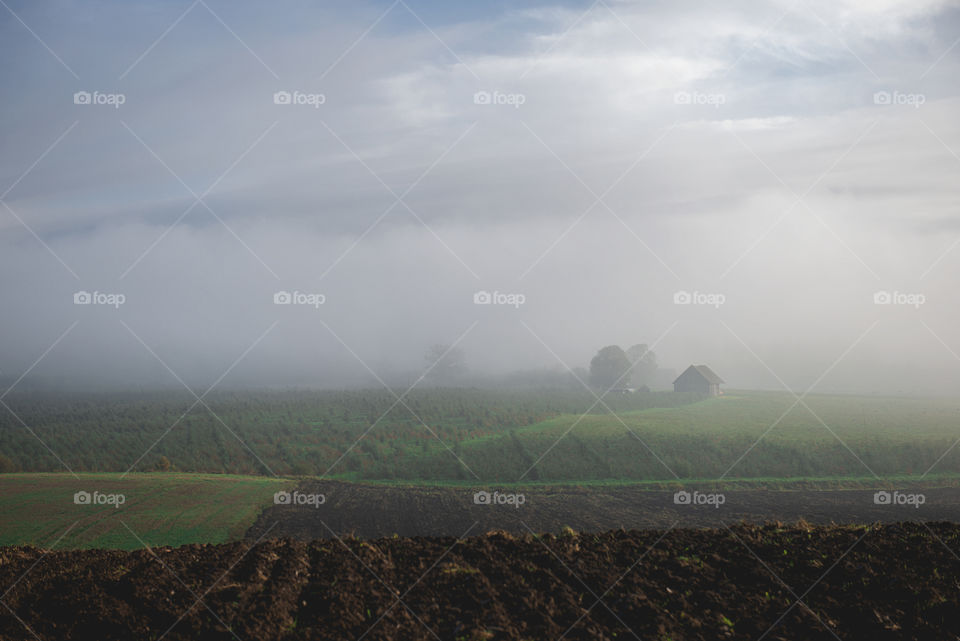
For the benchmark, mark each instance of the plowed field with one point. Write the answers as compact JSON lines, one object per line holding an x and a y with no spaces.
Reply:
{"x":381,"y":510}
{"x":897,"y":581}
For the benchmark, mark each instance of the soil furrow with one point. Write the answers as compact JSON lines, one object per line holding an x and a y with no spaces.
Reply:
{"x":897,"y":581}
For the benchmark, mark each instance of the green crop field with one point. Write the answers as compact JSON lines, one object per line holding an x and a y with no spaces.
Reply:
{"x":742,"y":439}
{"x":506,"y":436}
{"x":280,"y":433}
{"x":747,"y":435}
{"x":158,"y":509}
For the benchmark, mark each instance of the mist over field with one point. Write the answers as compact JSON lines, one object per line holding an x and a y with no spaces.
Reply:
{"x":479,"y":320}
{"x":768,"y":189}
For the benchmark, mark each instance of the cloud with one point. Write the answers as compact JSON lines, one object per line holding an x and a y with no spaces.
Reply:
{"x":612,"y":158}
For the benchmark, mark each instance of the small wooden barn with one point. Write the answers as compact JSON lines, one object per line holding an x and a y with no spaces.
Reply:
{"x":700,"y":379}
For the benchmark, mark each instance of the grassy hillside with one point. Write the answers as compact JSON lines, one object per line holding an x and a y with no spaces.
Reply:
{"x":160,"y":509}
{"x":706,"y":440}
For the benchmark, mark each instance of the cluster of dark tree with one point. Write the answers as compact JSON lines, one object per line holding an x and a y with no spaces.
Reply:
{"x":613,"y":367}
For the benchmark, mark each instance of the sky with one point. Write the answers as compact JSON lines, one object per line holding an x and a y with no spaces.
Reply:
{"x":767,"y":188}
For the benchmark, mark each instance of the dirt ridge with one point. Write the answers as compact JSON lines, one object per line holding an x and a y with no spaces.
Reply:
{"x":885,"y":581}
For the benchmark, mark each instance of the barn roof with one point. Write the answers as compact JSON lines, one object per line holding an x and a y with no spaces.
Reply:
{"x":705,"y":372}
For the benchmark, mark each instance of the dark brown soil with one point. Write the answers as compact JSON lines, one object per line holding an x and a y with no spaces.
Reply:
{"x":369,"y":511}
{"x":897,"y":581}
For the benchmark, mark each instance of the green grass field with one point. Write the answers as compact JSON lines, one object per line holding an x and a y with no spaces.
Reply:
{"x":161,"y":509}
{"x":837,"y":437}
{"x":839,"y":442}
{"x":525,"y":437}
